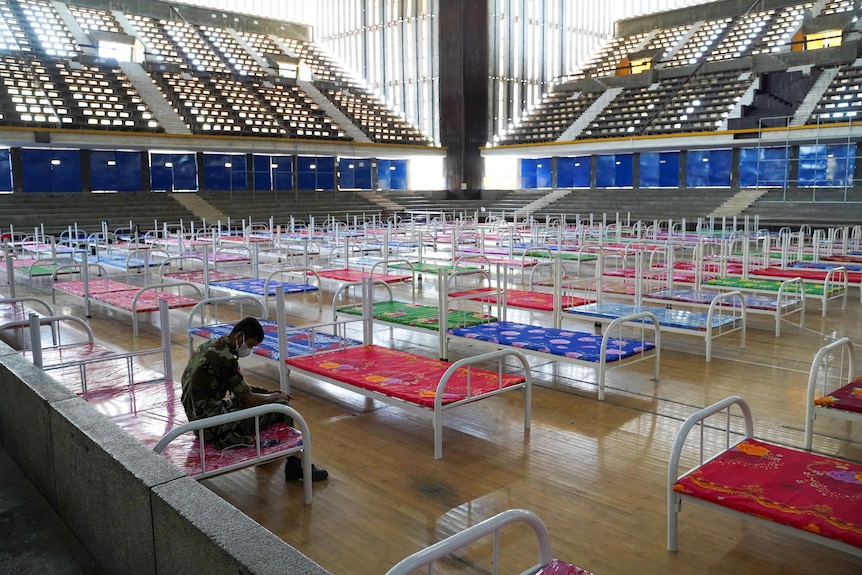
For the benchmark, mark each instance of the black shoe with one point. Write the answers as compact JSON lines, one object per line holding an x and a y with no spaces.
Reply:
{"x":293,"y":471}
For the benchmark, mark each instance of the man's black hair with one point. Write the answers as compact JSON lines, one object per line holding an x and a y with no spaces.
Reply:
{"x":250,"y":328}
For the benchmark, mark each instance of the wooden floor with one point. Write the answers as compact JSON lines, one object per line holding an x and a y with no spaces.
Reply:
{"x":594,"y":471}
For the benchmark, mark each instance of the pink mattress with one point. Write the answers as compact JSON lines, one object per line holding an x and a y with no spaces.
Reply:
{"x":803,"y":490}
{"x":149,"y":411}
{"x":539,"y":301}
{"x":804,"y":273}
{"x":400,"y":374}
{"x":557,"y":567}
{"x":97,"y":285}
{"x":847,"y":398}
{"x":147,"y":302}
{"x":356,"y":276}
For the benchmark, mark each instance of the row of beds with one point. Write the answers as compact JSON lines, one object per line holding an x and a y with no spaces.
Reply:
{"x":331,"y":358}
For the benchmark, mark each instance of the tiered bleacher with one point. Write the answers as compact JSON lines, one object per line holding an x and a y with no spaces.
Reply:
{"x":218,"y":80}
{"x":378,"y":122}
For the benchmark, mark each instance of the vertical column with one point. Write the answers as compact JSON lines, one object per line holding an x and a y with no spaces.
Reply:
{"x":463,"y":45}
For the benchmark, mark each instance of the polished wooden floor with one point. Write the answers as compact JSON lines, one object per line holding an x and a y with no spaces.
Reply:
{"x":594,"y":471}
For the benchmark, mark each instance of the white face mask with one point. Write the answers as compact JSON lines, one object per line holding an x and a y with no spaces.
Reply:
{"x":243,"y":350}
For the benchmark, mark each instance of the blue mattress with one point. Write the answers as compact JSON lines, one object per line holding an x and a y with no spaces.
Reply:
{"x":676,"y":318}
{"x":850,"y":267}
{"x":752,"y":301}
{"x":119,"y":261}
{"x":299,"y":341}
{"x":564,"y":343}
{"x":255,"y":286}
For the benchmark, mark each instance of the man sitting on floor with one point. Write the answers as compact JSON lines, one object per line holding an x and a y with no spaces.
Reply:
{"x":213,"y":385}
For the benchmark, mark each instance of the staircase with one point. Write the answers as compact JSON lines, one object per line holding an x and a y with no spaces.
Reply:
{"x":382,"y":201}
{"x":161,"y":109}
{"x":199,"y":207}
{"x":800,"y":118}
{"x":573,"y":131}
{"x":333,"y":112}
{"x":540,"y":203}
{"x":737,"y":203}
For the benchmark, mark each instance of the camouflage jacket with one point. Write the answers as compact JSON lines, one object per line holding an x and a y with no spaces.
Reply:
{"x":212,"y":383}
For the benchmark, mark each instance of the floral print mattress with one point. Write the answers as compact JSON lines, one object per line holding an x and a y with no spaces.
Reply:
{"x":846,"y":398}
{"x":705,"y":297}
{"x":147,"y":301}
{"x":299,"y":341}
{"x":560,"y":342}
{"x":812,"y":289}
{"x":149,"y":411}
{"x":796,"y":488}
{"x":356,"y":276}
{"x":256,"y":286}
{"x":401,"y":374}
{"x":675,"y":318}
{"x":96,"y":286}
{"x":804,"y":271}
{"x":416,"y":315}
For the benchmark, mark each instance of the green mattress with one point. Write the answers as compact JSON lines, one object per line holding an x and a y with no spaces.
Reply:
{"x":415,"y":315}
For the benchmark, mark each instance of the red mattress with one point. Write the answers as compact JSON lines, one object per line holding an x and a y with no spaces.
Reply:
{"x":197,"y":276}
{"x":804,"y":273}
{"x":539,"y":301}
{"x":803,"y":490}
{"x":148,"y":300}
{"x":355,"y":276}
{"x":400,"y":374}
{"x":847,"y":398}
{"x":96,"y":285}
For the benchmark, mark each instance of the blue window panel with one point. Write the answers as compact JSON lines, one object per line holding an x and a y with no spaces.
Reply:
{"x":384,"y":176}
{"x":273,"y":173}
{"x":614,"y":170}
{"x":766,"y":167}
{"x":355,"y":173}
{"x":573,"y":172}
{"x":708,"y":168}
{"x":51,"y":170}
{"x":363,"y":174}
{"x":347,"y":175}
{"x":824,"y":165}
{"x":668,"y":170}
{"x":529,"y":179}
{"x":185,"y":172}
{"x":224,"y":172}
{"x":650,"y":174}
{"x":112,"y":171}
{"x":544,"y":174}
{"x":5,"y":171}
{"x":315,"y":172}
{"x":398,"y":175}
{"x":172,"y":172}
{"x":605,"y":171}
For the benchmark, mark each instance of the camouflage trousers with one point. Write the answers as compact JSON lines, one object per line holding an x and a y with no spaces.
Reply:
{"x":242,"y":432}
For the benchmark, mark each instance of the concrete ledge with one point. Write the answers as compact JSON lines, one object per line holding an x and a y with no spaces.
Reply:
{"x":24,"y":419}
{"x":187,"y":517}
{"x":130,"y":508}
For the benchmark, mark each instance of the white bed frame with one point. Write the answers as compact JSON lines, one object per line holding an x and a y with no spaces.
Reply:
{"x":833,"y":367}
{"x":435,"y":413}
{"x":425,"y":558}
{"x":303,"y":450}
{"x":731,"y":438}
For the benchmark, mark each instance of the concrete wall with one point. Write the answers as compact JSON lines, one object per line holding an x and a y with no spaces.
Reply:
{"x":134,"y":511}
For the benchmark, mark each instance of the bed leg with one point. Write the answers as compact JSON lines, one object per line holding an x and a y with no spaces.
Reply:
{"x":437,"y":422}
{"x":673,"y":507}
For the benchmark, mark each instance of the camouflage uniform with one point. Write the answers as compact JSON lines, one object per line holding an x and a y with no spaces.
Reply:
{"x":213,"y":385}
